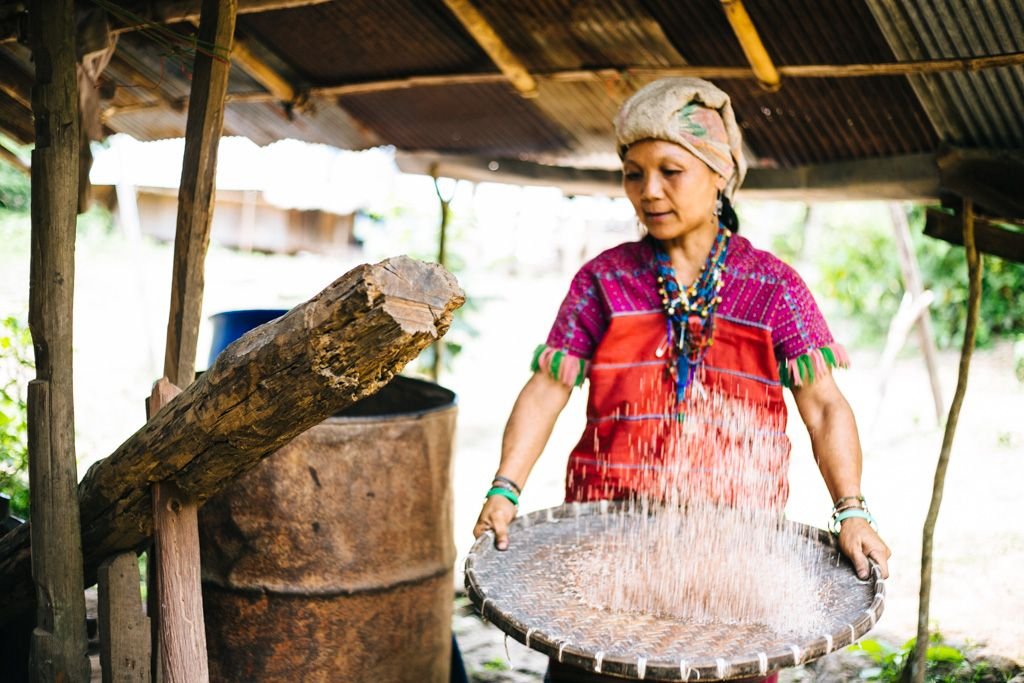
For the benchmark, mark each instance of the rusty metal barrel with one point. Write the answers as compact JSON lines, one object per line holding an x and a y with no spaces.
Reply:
{"x":333,"y":560}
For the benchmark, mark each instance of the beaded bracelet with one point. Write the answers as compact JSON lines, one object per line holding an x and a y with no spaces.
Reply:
{"x":858,"y":498}
{"x":507,"y":493}
{"x":505,"y":480}
{"x":838,"y":518}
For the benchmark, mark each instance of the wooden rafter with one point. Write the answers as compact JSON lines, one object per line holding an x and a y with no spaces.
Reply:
{"x":261,"y":72}
{"x":746,"y":33}
{"x":487,"y":38}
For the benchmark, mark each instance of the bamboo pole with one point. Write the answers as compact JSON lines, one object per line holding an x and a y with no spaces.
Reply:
{"x":442,"y":260}
{"x":58,"y":645}
{"x":910,"y":68}
{"x":918,"y":662}
{"x":746,"y":33}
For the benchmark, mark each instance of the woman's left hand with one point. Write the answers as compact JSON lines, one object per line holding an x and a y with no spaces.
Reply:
{"x":860,"y":542}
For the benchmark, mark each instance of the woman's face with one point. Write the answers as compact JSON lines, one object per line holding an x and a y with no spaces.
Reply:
{"x":672,"y":191}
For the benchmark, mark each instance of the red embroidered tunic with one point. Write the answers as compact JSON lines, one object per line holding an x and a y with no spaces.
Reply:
{"x":611,"y":329}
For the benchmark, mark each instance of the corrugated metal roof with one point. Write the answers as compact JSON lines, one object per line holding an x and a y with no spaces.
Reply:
{"x":480,"y":118}
{"x":817,"y":120}
{"x":357,"y":40}
{"x":980,"y":108}
{"x":550,"y":35}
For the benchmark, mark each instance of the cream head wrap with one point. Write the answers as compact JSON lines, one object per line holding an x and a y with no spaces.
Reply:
{"x":690,"y":112}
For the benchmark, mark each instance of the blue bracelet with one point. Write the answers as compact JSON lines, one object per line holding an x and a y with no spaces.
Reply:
{"x":507,"y":493}
{"x":858,"y":513}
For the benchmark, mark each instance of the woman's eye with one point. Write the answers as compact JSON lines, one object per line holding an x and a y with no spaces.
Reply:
{"x":633,"y":175}
{"x":670,"y":171}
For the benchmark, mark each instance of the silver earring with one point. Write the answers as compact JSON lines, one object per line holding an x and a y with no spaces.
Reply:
{"x":718,"y":208}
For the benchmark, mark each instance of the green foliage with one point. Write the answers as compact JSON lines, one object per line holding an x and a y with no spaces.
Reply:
{"x":495,"y":664}
{"x":15,"y":371}
{"x":860,"y":271}
{"x":943,"y":662}
{"x":15,"y":190}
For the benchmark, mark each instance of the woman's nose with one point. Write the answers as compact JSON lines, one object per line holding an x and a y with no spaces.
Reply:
{"x":652,"y":187}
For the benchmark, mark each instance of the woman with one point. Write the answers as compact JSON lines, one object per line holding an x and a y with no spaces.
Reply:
{"x":690,"y":312}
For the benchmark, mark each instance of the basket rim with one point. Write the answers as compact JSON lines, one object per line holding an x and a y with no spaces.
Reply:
{"x":708,"y":669}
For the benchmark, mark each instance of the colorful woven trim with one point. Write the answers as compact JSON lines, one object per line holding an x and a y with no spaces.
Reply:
{"x":801,"y":370}
{"x":565,"y":367}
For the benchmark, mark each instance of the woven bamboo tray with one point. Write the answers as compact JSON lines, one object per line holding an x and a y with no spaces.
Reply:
{"x":521,"y":591}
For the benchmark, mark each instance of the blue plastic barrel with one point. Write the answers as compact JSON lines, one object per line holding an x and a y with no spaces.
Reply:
{"x":230,"y":325}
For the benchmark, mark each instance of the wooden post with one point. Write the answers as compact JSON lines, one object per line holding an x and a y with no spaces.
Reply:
{"x":912,"y":282}
{"x":58,"y":649}
{"x":195,"y":197}
{"x":124,"y":627}
{"x":180,"y":633}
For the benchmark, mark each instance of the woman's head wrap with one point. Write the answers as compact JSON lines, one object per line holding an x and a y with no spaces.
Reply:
{"x":690,"y":112}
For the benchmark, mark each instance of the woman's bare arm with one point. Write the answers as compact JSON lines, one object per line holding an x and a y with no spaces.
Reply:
{"x":526,"y":433}
{"x":836,"y":447}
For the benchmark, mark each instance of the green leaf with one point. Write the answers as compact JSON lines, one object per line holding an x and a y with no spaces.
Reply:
{"x":944,"y":653}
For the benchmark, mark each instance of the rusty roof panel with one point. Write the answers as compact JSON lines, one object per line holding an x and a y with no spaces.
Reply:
{"x":587,"y":111}
{"x":549,"y":35}
{"x":969,"y":108}
{"x":358,"y":40}
{"x":483,"y":118}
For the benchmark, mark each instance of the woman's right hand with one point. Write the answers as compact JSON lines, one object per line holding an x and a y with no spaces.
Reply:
{"x":497,"y":514}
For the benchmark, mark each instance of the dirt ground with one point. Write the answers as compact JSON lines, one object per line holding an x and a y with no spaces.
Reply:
{"x":978,"y":589}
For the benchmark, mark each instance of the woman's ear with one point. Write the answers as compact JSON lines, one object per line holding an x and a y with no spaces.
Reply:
{"x":720,"y":183}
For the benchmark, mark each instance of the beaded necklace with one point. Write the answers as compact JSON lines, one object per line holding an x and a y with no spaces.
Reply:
{"x":690,"y":315}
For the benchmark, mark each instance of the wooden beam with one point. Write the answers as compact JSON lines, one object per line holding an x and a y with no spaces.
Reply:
{"x":195,"y":197}
{"x":487,"y":38}
{"x":59,"y":638}
{"x":911,"y":177}
{"x":273,"y":383}
{"x":14,"y":160}
{"x":992,"y":178}
{"x":990,"y":237}
{"x":757,"y":56}
{"x":513,"y":172}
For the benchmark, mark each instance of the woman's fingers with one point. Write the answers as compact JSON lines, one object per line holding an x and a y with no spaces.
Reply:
{"x":862,"y":545}
{"x":497,"y":514}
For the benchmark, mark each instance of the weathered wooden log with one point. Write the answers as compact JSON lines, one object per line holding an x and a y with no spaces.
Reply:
{"x":270,"y":385}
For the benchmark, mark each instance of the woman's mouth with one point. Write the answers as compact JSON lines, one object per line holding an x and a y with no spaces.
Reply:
{"x":657,"y":216}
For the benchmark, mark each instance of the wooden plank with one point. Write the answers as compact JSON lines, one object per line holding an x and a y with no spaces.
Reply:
{"x":124,"y":626}
{"x":59,"y":639}
{"x":179,"y":592}
{"x":990,"y":237}
{"x":272,"y":384}
{"x":196,"y":194}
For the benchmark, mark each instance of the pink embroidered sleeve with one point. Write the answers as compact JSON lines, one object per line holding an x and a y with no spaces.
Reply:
{"x":579,"y":327}
{"x":803,"y":344}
